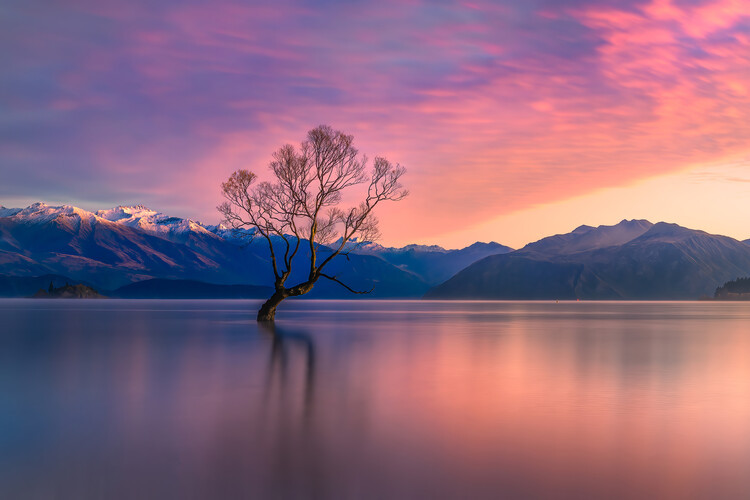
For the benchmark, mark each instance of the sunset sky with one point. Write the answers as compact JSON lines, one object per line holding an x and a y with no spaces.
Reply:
{"x":515,"y":119}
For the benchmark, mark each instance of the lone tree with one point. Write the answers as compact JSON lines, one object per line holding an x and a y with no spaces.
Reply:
{"x":301,"y":206}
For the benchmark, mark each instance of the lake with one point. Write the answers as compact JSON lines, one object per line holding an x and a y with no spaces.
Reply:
{"x":374,"y":399}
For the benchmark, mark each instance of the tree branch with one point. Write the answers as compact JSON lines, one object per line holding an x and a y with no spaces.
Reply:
{"x":333,"y":278}
{"x":303,"y":201}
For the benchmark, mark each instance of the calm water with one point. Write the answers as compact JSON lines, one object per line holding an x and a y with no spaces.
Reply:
{"x":367,"y":399}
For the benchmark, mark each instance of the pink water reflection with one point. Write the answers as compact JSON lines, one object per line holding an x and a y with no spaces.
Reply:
{"x":375,"y":400}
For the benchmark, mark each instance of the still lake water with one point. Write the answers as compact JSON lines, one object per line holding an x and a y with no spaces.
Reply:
{"x":373,"y":399}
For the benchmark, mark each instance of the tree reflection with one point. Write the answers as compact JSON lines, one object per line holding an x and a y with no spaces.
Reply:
{"x":298,"y":458}
{"x":283,"y":341}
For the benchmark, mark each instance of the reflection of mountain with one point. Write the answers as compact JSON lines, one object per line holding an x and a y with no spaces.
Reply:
{"x":631,"y":260}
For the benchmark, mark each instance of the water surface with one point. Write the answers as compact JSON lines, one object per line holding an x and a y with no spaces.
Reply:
{"x":374,"y":399}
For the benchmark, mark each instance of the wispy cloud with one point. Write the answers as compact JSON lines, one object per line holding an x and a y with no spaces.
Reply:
{"x":493,"y":106}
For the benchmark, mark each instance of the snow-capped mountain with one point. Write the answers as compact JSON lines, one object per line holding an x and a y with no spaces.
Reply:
{"x":114,"y":247}
{"x":172,"y":228}
{"x":41,"y":213}
{"x":152,"y":221}
{"x":360,"y":246}
{"x":70,"y":241}
{"x":7,"y":212}
{"x":430,"y":263}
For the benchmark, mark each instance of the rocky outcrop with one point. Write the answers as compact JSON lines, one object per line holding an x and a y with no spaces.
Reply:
{"x":68,"y":292}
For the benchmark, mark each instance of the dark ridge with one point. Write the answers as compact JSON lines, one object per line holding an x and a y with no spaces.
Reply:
{"x":26,"y":286}
{"x":738,"y":289}
{"x":664,"y":262}
{"x":68,"y":291}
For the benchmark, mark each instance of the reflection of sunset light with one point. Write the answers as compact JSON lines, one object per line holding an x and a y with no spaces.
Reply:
{"x":643,"y":399}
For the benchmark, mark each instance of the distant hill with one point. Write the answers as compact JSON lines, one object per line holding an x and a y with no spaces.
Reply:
{"x":585,"y":238}
{"x":631,"y":260}
{"x":188,"y":289}
{"x":738,"y":289}
{"x":433,"y":264}
{"x":26,"y":286}
{"x":67,"y":291}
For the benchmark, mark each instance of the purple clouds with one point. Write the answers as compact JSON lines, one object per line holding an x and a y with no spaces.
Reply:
{"x":493,"y":106}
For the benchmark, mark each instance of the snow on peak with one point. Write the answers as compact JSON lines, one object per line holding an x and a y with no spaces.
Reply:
{"x":144,"y":218}
{"x":136,"y":216}
{"x":424,"y":248}
{"x":41,"y":210}
{"x":361,"y":246}
{"x":126,"y":212}
{"x":8,"y":212}
{"x":41,"y":213}
{"x":237,"y":235}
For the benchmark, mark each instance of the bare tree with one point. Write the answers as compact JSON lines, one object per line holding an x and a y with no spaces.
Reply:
{"x":302,"y":206}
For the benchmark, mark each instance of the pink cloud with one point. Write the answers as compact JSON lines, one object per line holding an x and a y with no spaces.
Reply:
{"x":492,"y":106}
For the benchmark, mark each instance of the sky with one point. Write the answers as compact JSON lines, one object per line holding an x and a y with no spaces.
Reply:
{"x":514,"y":119}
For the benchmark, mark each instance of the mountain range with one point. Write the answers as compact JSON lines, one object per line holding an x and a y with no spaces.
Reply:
{"x":634,"y":259}
{"x":433,"y":263}
{"x":137,"y":252}
{"x":111,"y":249}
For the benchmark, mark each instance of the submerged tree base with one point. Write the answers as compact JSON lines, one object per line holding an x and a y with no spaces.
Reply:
{"x":266,"y":316}
{"x":267,"y":311}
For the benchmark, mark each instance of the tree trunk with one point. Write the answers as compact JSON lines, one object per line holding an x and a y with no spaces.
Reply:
{"x":267,"y":311}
